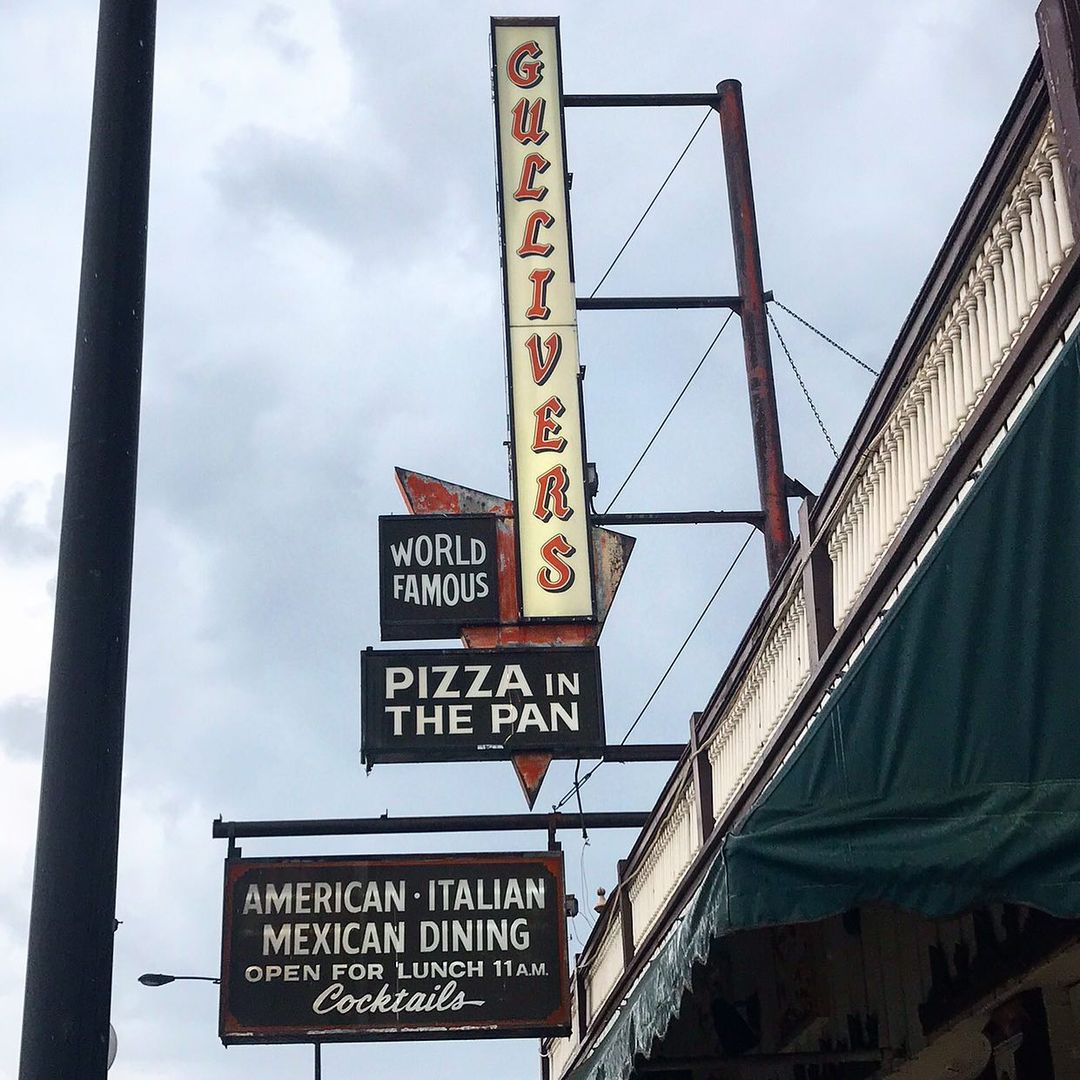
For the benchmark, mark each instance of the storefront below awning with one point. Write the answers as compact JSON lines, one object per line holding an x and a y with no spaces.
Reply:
{"x":944,"y":771}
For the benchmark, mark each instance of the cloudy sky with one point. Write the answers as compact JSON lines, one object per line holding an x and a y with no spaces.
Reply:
{"x":324,"y":304}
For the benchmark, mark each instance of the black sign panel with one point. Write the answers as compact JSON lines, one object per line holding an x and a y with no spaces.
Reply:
{"x":381,"y":947}
{"x":437,"y":573}
{"x":470,"y":704}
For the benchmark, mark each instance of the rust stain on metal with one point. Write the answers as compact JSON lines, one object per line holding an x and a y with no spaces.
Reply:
{"x":611,"y":550}
{"x":531,"y":770}
{"x":429,"y":495}
{"x":765,"y":423}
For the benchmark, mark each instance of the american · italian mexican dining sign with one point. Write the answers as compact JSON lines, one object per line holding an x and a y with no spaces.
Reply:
{"x":428,"y":946}
{"x":547,"y":435}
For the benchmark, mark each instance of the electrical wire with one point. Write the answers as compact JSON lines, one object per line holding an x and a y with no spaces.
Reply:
{"x":652,"y":202}
{"x":825,"y":337}
{"x":575,"y":789}
{"x":585,"y":887}
{"x":667,"y":415}
{"x":806,"y":393}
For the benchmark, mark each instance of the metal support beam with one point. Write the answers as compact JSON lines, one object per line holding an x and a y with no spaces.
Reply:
{"x":609,"y":101}
{"x":65,"y":1033}
{"x":656,"y":303}
{"x":645,"y":752}
{"x":772,"y":483}
{"x":686,"y":517}
{"x":387,"y":826}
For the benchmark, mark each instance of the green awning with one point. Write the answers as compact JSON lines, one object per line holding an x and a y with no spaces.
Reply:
{"x":944,"y":771}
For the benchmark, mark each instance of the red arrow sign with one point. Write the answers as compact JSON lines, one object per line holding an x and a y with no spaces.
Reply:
{"x":611,"y":551}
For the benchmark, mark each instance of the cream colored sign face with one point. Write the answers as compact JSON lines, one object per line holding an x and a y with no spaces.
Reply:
{"x":545,"y":391}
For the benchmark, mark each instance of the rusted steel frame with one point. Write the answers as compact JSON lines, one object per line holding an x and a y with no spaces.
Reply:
{"x":383,"y":826}
{"x":685,"y":517}
{"x":772,"y":484}
{"x":614,"y":101}
{"x":1048,"y":323}
{"x":1011,"y":146}
{"x":1059,"y":47}
{"x":653,"y":303}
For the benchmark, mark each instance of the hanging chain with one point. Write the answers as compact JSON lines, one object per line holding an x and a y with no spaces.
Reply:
{"x":825,"y":337}
{"x":806,"y":393}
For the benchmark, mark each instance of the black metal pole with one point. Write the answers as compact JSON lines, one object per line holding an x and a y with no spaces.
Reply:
{"x":655,"y":303}
{"x":390,"y":826}
{"x":759,"y":374}
{"x":607,"y":101}
{"x":626,"y":753}
{"x":65,"y":1031}
{"x":688,"y":517}
{"x":318,"y":1061}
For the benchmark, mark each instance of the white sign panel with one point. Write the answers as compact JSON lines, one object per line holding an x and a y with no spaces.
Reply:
{"x":546,"y":422}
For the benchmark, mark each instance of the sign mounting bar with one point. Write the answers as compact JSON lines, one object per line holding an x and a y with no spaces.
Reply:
{"x":651,"y":303}
{"x":447,"y":823}
{"x":608,"y":101}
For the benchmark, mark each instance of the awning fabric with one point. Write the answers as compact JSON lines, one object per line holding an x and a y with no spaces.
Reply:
{"x":944,"y":771}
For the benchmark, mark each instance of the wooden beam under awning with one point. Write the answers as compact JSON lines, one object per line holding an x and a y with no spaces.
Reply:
{"x":753,"y":1063}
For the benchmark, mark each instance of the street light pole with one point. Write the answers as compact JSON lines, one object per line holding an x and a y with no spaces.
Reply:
{"x":65,"y":1031}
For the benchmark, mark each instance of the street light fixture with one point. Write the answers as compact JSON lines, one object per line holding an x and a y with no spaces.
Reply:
{"x":153,"y":978}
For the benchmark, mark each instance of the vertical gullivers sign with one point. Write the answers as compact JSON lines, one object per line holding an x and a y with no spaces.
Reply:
{"x":546,"y":422}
